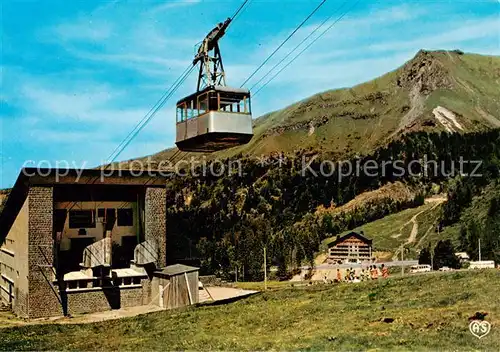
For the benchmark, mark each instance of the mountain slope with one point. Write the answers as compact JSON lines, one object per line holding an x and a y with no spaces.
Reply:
{"x":361,"y":118}
{"x":414,"y":227}
{"x":222,"y":223}
{"x":435,"y":91}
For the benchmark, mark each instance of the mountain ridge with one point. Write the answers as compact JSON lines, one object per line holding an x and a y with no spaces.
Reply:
{"x":434,"y":91}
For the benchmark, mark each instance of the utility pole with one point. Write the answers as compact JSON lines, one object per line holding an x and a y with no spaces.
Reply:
{"x":432,"y":259}
{"x":265,"y":270}
{"x":402,"y":260}
{"x":479,"y":249}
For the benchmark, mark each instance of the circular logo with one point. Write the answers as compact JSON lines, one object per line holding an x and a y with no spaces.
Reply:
{"x":479,"y":328}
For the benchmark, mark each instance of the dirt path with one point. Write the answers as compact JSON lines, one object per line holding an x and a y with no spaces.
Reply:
{"x":414,"y":231}
{"x":9,"y":320}
{"x":439,"y":199}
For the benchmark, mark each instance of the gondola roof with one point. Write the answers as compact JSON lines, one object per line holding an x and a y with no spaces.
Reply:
{"x":218,"y":89}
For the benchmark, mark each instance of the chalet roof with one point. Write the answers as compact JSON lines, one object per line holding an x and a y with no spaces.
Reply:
{"x":350,"y":234}
{"x":177,"y":269}
{"x":51,"y":177}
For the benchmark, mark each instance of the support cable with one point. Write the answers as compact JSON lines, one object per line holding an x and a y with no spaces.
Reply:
{"x":298,"y":45}
{"x":307,"y":47}
{"x":284,"y":42}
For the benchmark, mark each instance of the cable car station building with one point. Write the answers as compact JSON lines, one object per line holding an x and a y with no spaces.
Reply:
{"x":80,"y":245}
{"x":83,"y":243}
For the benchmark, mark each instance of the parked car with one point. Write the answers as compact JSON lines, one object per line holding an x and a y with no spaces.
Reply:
{"x":421,"y":268}
{"x":444,"y":268}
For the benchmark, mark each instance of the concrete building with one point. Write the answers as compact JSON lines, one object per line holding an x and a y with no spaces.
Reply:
{"x":83,"y":244}
{"x":351,"y":248}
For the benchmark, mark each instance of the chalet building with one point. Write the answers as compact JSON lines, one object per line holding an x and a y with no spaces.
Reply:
{"x":84,"y":244}
{"x":351,"y":248}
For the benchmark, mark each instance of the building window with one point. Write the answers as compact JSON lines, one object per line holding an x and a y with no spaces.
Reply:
{"x":81,"y":219}
{"x":59,"y":219}
{"x":107,"y":216}
{"x":125,"y":217}
{"x":101,"y":213}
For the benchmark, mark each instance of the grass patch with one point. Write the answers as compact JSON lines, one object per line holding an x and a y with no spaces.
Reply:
{"x":429,"y":312}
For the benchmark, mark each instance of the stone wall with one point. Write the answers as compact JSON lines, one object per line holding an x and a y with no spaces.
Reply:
{"x":146,"y":291}
{"x":131,"y":297}
{"x":43,"y":300}
{"x":20,"y":306}
{"x":210,"y":280}
{"x":91,"y":301}
{"x":80,"y":302}
{"x":156,"y":221}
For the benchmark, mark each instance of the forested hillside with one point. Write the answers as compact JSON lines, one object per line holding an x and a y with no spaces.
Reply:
{"x":476,"y":218}
{"x":227,"y":221}
{"x":441,"y":106}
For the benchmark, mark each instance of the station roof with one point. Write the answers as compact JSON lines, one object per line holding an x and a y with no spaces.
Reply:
{"x":176,"y":269}
{"x":29,"y":177}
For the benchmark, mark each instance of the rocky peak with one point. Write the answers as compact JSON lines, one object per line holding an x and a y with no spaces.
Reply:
{"x":424,"y":73}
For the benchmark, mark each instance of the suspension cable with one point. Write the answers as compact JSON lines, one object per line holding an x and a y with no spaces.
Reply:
{"x":117,"y":151}
{"x":239,"y":10}
{"x":159,"y":104}
{"x":307,"y":47}
{"x":298,"y":45}
{"x":284,"y":42}
{"x":144,"y":122}
{"x":152,"y":112}
{"x":147,"y":118}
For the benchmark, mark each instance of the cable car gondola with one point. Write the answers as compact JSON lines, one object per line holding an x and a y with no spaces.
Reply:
{"x":216,"y":117}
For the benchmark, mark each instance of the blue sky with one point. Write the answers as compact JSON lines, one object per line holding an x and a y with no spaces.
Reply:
{"x":78,"y":75}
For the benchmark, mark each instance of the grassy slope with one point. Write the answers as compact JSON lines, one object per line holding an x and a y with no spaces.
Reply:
{"x":393,"y":230}
{"x":384,"y":232}
{"x":475,"y":89}
{"x":4,"y":194}
{"x":430,"y":312}
{"x":473,"y":82}
{"x":358,"y":119}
